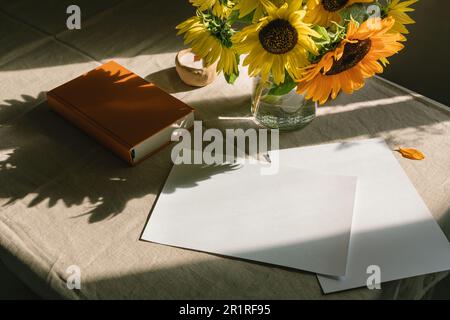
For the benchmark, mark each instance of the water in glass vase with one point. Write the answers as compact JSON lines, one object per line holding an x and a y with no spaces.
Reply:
{"x":289,"y":111}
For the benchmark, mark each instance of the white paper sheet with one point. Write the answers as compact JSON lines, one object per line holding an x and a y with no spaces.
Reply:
{"x":280,"y":219}
{"x":392,"y":227}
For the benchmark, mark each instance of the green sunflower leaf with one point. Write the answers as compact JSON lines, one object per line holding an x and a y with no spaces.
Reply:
{"x":357,"y":12}
{"x":324,"y":36}
{"x":284,"y":88}
{"x":248,"y":18}
{"x":234,"y":16}
{"x":231,"y":78}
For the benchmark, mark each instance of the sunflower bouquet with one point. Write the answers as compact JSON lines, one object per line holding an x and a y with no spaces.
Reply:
{"x":318,"y":47}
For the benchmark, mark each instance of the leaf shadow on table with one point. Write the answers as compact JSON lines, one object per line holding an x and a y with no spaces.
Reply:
{"x":189,"y":179}
{"x":13,"y":108}
{"x":60,"y":163}
{"x":44,"y":158}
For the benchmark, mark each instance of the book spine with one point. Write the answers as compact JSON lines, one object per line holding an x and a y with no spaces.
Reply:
{"x":92,"y":129}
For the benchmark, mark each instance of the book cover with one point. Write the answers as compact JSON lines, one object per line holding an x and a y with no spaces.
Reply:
{"x":122,"y":111}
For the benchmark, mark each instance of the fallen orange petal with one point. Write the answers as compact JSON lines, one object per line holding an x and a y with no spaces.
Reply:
{"x":412,"y":154}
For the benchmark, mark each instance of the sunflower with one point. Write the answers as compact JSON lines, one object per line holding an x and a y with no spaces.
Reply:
{"x":397,"y":10}
{"x":278,"y":42}
{"x":220,"y":8}
{"x":354,"y":59}
{"x":246,"y":7}
{"x":323,"y":12}
{"x":210,"y":39}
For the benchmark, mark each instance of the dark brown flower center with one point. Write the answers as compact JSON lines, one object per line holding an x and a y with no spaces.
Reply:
{"x":333,"y":5}
{"x":353,"y":53}
{"x":278,"y":36}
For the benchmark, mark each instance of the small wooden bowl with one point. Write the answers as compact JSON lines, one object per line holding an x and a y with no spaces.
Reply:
{"x":192,"y":76}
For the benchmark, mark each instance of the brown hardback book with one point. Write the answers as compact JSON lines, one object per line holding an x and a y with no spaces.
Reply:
{"x":122,"y":111}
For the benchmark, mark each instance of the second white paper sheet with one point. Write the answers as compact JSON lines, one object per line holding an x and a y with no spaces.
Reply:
{"x":295,"y":218}
{"x":393,"y":231}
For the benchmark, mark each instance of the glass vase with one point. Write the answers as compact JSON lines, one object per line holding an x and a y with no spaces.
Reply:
{"x":286,"y":112}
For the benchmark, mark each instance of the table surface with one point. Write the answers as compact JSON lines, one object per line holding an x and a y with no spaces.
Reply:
{"x":65,"y":200}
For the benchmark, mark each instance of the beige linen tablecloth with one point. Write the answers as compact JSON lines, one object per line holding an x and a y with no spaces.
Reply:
{"x":65,"y":200}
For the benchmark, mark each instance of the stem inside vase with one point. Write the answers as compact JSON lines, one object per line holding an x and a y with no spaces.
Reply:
{"x":290,"y":111}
